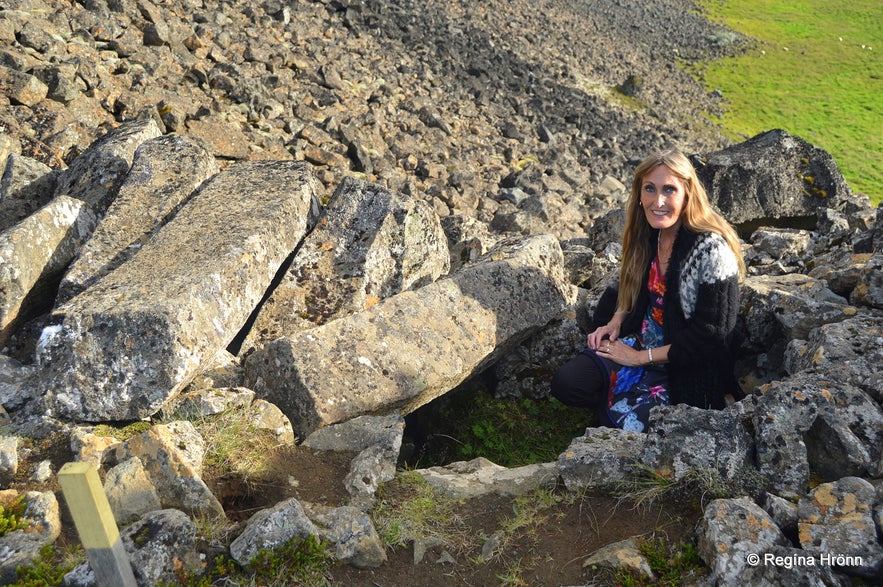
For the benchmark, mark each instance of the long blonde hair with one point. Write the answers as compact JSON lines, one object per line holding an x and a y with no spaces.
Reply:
{"x":697,"y":216}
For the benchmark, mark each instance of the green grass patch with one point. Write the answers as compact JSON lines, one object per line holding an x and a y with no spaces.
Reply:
{"x":671,"y":565}
{"x":50,"y":567}
{"x":300,"y":561}
{"x":12,"y":515}
{"x":509,"y":432}
{"x":408,"y":509}
{"x":816,"y":71}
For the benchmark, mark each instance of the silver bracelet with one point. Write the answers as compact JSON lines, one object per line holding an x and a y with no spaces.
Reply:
{"x":650,"y":355}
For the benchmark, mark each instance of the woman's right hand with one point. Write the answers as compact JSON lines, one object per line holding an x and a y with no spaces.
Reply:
{"x":609,"y":331}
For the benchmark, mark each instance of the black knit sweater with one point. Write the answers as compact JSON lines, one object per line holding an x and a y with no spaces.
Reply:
{"x":699,"y":318}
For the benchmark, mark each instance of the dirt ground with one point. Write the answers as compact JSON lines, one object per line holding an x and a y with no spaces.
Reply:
{"x":550,"y":552}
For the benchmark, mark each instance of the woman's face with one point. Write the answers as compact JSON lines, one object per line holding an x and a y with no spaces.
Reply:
{"x":663,"y":197}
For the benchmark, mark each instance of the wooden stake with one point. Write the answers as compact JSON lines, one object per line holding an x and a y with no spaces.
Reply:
{"x":96,"y":525}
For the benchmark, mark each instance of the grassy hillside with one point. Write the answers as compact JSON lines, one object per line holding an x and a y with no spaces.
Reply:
{"x":816,"y":72}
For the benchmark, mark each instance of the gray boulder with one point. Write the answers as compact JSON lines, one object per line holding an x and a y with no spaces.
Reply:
{"x":271,"y":528}
{"x":34,"y":252}
{"x":97,"y":174}
{"x":171,"y":456}
{"x":351,"y":533}
{"x":601,"y":458}
{"x":26,"y":185}
{"x":22,"y":547}
{"x":771,"y":176}
{"x":837,"y":520}
{"x":777,"y":309}
{"x":730,"y":532}
{"x":785,"y":566}
{"x":682,"y":439}
{"x":869,"y":289}
{"x":850,"y":352}
{"x":160,"y":545}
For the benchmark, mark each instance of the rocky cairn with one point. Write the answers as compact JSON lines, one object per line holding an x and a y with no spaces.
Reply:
{"x":301,"y":256}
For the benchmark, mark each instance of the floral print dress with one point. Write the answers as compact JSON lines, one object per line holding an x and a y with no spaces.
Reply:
{"x":634,"y":390}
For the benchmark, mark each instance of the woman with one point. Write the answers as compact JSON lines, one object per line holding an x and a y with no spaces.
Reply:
{"x":666,"y":332}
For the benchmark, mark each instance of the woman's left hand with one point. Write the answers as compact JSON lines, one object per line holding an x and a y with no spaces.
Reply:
{"x":621,"y":353}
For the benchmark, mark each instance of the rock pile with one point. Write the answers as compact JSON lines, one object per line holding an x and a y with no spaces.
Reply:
{"x":269,"y":224}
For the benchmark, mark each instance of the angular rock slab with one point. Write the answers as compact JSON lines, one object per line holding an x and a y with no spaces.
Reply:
{"x":171,"y":456}
{"x":682,"y":439}
{"x":789,"y":307}
{"x":470,"y":479}
{"x":26,"y":185}
{"x":850,"y":352}
{"x":772,"y":175}
{"x":164,"y":173}
{"x":34,"y":252}
{"x":368,"y":245}
{"x":869,"y":291}
{"x":121,"y":349}
{"x":416,"y":345}
{"x":95,"y":175}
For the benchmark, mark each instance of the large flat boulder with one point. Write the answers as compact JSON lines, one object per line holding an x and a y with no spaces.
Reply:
{"x":165,"y":172}
{"x":416,"y":345}
{"x":126,"y":345}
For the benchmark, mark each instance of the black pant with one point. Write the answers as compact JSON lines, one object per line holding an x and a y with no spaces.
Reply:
{"x":581,"y":381}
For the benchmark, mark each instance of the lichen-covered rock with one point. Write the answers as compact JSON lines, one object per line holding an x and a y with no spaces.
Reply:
{"x":786,"y":307}
{"x":172,"y":457}
{"x":840,"y":268}
{"x":34,"y":252}
{"x":351,"y":533}
{"x":132,"y":341}
{"x":160,"y":546}
{"x":777,"y":251}
{"x":96,"y":175}
{"x":771,"y":176}
{"x":837,"y":520}
{"x":22,"y":547}
{"x":682,"y":439}
{"x":271,"y":528}
{"x":730,"y":531}
{"x":26,"y":185}
{"x":850,"y":351}
{"x":807,"y":425}
{"x":784,"y":566}
{"x":869,"y":289}
{"x":601,"y":457}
